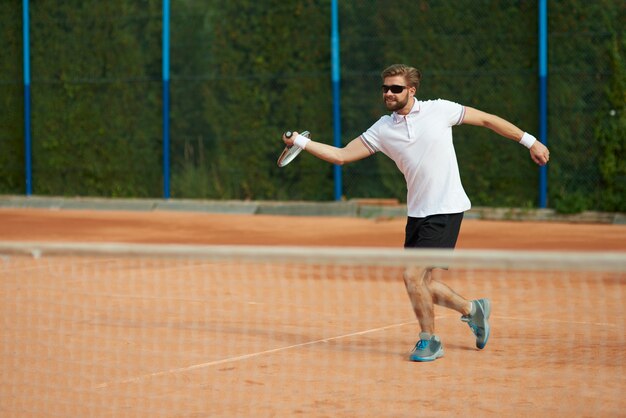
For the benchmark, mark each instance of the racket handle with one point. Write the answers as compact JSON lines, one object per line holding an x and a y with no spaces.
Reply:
{"x":288,"y":134}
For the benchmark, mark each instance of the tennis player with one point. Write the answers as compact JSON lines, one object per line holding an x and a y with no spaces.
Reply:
{"x":417,"y":136}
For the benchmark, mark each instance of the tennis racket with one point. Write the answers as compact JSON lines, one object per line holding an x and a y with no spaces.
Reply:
{"x":289,"y":153}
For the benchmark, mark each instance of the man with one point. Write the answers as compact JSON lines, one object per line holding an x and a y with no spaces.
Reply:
{"x":417,"y":136}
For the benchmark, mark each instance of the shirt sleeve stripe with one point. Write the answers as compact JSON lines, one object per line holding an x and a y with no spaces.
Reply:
{"x":460,"y":121}
{"x":369,"y":146}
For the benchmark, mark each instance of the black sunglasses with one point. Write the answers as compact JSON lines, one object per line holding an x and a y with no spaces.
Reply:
{"x":395,"y":89}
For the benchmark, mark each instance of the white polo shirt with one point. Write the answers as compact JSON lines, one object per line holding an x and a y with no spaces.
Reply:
{"x":420,"y":144}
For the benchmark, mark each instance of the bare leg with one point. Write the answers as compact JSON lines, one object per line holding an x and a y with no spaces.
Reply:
{"x":424,"y":293}
{"x":415,"y":280}
{"x":444,"y":296}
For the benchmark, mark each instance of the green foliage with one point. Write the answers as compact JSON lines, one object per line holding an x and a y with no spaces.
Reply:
{"x":581,"y":35}
{"x":95,"y":114}
{"x":262,"y":74}
{"x":11,"y":101}
{"x":243,"y":72}
{"x":493,"y":70}
{"x":570,"y":203}
{"x":611,"y":135}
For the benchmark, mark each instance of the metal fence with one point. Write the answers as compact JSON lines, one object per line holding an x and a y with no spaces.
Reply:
{"x":157,"y":99}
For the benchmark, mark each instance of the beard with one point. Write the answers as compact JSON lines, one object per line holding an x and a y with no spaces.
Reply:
{"x":395,"y":105}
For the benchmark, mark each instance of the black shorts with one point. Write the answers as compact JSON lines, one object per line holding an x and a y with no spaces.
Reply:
{"x":434,"y":231}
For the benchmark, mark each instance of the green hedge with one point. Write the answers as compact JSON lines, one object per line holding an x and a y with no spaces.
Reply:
{"x":244,"y":71}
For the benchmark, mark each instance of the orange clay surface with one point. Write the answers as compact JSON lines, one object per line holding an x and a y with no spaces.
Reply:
{"x":199,"y":228}
{"x":120,"y":337}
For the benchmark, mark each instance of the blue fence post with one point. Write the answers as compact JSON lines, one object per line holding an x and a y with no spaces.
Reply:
{"x":166,"y":98}
{"x":27,"y":117}
{"x":335,"y":78}
{"x":543,"y":96}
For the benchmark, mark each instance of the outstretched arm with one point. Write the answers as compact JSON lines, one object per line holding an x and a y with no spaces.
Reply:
{"x":538,"y":152}
{"x":355,"y":150}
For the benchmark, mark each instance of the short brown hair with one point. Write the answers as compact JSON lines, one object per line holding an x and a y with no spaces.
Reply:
{"x":411,"y":75}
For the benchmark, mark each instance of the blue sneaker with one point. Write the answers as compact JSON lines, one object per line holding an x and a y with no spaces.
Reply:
{"x":479,"y":321}
{"x":428,"y":348}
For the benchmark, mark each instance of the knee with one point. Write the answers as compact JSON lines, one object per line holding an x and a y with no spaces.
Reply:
{"x":416,"y":279}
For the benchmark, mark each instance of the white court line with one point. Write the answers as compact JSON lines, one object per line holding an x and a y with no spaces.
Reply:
{"x":324,"y":340}
{"x":558,"y":321}
{"x":246,"y":356}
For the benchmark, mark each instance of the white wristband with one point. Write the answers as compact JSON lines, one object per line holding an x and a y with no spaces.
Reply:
{"x":527,"y":140}
{"x":301,"y":141}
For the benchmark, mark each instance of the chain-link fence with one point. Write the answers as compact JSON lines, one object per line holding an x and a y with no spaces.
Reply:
{"x":244,"y":71}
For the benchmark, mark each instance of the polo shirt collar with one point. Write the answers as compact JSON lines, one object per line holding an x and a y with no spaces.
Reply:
{"x":399,"y":118}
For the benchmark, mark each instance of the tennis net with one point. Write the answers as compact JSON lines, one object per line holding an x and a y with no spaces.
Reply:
{"x":172,"y":330}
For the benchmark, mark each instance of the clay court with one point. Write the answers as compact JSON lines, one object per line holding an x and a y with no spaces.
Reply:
{"x":150,"y":336}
